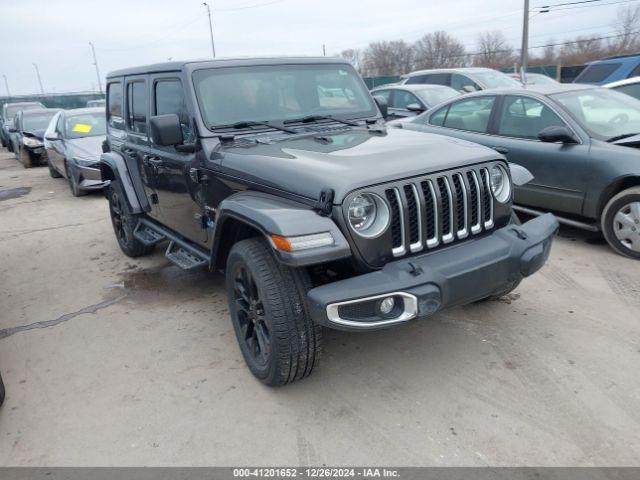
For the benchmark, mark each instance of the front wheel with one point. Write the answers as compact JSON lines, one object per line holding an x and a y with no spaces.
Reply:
{"x":52,"y":171}
{"x":124,"y":222}
{"x":23,"y":155}
{"x":76,"y":191}
{"x":267,"y":301}
{"x":621,"y":222}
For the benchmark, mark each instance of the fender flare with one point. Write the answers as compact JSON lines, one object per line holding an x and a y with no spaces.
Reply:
{"x":272,"y":215}
{"x":113,"y":167}
{"x":519,"y":174}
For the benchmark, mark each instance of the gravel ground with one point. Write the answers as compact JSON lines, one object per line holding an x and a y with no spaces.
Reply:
{"x":113,"y":361}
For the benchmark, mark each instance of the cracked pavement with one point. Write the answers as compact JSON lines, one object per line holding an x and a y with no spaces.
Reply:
{"x":110,"y":361}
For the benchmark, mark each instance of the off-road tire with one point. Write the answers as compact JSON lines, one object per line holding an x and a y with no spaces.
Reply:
{"x":124,"y":222}
{"x":609,"y":212}
{"x":295,"y":340}
{"x":52,"y":171}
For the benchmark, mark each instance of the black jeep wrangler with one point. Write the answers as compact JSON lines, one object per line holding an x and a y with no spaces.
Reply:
{"x":281,"y":173}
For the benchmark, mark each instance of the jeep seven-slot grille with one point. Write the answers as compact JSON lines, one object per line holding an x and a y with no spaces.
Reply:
{"x":429,"y":212}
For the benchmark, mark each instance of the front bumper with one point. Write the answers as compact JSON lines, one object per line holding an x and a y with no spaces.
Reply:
{"x":88,"y":178}
{"x":424,"y":284}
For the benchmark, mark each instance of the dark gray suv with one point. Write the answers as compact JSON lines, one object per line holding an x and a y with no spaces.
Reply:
{"x":282,"y":174}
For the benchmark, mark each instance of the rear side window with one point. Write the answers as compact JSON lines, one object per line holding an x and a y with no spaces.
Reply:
{"x":432,"y":79}
{"x":137,"y":107}
{"x":635,"y":72}
{"x":169,"y":98}
{"x":597,"y":73}
{"x":114,"y":106}
{"x":471,"y":115}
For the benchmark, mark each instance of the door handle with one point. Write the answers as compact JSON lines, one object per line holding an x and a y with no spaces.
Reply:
{"x":502,"y":150}
{"x":129,"y":151}
{"x":151,"y":160}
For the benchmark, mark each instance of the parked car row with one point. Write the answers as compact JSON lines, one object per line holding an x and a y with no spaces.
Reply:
{"x":68,"y":141}
{"x":581,"y":143}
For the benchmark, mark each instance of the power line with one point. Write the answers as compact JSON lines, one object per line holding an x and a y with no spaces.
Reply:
{"x":567,"y":3}
{"x":247,"y":7}
{"x":552,"y":8}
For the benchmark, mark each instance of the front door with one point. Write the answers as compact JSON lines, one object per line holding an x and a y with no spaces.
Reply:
{"x":560,"y":171}
{"x":178,"y":191}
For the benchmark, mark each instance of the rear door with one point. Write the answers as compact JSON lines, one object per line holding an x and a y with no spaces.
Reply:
{"x":179,"y":196}
{"x":136,"y":147}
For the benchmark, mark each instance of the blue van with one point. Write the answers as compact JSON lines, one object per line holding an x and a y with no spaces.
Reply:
{"x":610,"y":69}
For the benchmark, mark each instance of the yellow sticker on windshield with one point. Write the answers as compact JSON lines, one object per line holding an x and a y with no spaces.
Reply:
{"x":81,"y":128}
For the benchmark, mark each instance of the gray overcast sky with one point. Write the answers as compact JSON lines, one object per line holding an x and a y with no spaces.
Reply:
{"x":55,"y":34}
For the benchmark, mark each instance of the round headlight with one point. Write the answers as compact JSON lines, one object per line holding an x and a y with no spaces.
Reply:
{"x":500,"y":184}
{"x":368,"y":215}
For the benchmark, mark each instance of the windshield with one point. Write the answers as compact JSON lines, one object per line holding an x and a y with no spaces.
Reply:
{"x":433,"y":96}
{"x":596,"y":73}
{"x":496,"y":80}
{"x":603,"y":113}
{"x":37,"y":121}
{"x":280,"y":92}
{"x":85,"y":125}
{"x":13,"y":109}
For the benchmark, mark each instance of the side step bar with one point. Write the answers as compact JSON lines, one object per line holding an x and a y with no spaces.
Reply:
{"x":180,"y":251}
{"x":592,"y":227}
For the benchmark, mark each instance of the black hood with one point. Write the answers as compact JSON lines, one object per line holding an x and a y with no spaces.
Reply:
{"x":348,"y":160}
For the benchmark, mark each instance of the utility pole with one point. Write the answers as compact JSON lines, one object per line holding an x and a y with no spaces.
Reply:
{"x":39,"y":79}
{"x":213,"y":47}
{"x":324,"y":50}
{"x":95,"y":62}
{"x":524,"y":54}
{"x":6,"y":84}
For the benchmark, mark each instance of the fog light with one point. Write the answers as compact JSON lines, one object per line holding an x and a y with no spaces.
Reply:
{"x":387,"y":305}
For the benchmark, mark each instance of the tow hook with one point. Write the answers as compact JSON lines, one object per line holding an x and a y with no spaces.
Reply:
{"x":414,"y":269}
{"x":519,"y":233}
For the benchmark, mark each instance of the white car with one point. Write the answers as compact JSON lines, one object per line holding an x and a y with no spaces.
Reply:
{"x":630,"y":86}
{"x":464,"y":80}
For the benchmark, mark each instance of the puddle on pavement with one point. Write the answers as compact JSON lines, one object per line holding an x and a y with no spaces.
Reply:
{"x":10,"y":193}
{"x":169,"y":283}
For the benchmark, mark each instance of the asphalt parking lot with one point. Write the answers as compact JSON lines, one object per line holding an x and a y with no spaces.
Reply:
{"x":109,"y":360}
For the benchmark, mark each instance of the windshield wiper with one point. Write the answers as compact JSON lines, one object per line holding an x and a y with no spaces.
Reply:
{"x":315,"y":118}
{"x":622,"y":137}
{"x":247,"y":124}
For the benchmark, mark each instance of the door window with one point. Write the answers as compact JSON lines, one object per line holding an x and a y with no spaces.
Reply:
{"x":635,"y":72}
{"x":169,"y":98}
{"x":114,"y":106}
{"x":524,"y":117}
{"x":471,"y":115}
{"x":402,"y":98}
{"x":632,"y":89}
{"x":137,"y":107}
{"x":459,"y":82}
{"x":431,"y":79}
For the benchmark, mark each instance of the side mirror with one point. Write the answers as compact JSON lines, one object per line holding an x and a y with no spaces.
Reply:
{"x":166,"y":130}
{"x":12,"y":129}
{"x":383,"y":106}
{"x":469,"y":89}
{"x":52,"y":137}
{"x":415,"y":107}
{"x":557,"y":133}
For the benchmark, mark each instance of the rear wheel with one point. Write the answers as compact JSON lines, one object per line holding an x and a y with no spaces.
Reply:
{"x":620,"y":222}
{"x":267,"y":301}
{"x":124,"y":222}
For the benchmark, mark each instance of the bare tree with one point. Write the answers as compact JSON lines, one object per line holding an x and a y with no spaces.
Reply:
{"x":387,"y":58}
{"x":582,"y":50}
{"x":353,"y":55}
{"x":493,"y":51}
{"x":438,"y":50}
{"x":627,"y":26}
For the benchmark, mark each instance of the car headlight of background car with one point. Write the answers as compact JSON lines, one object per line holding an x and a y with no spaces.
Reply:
{"x":500,"y":184}
{"x":368,"y":215}
{"x":31,"y":142}
{"x":85,"y":161}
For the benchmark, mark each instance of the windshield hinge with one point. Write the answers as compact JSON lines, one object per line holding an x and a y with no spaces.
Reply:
{"x":324,"y":204}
